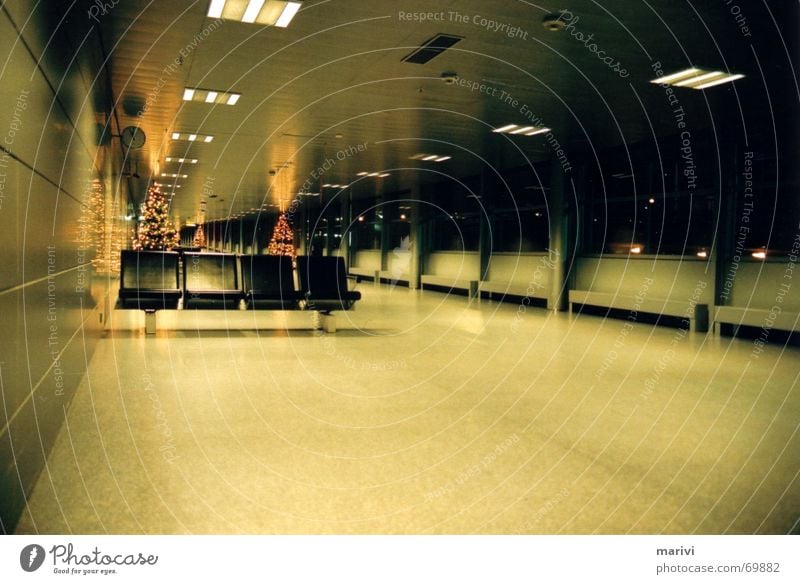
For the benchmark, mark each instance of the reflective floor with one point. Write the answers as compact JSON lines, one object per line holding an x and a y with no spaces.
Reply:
{"x":424,"y":414}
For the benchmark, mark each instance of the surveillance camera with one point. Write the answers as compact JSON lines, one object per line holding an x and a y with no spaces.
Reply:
{"x":553,"y":22}
{"x":449,"y":77}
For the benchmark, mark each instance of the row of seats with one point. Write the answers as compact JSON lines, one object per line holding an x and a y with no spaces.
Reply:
{"x":151,"y":280}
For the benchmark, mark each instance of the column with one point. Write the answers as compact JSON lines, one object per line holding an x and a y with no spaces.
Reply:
{"x":560,"y":244}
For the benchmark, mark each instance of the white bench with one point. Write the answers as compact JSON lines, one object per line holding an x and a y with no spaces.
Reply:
{"x":737,"y":316}
{"x":503,"y":288}
{"x":696,"y":314}
{"x":370,"y":273}
{"x":448,"y":282}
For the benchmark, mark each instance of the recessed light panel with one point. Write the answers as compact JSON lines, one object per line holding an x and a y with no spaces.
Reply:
{"x":518,"y":130}
{"x":210,"y":96}
{"x":186,"y":136}
{"x":430,"y":157}
{"x":266,"y":12}
{"x":697,"y":78}
{"x":181,"y":160}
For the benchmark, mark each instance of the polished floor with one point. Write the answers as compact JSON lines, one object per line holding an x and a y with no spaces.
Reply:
{"x":424,"y":414}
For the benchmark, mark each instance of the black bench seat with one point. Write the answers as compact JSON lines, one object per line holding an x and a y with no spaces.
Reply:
{"x":323,"y":282}
{"x":268,"y":282}
{"x":149,"y":280}
{"x":210,"y":280}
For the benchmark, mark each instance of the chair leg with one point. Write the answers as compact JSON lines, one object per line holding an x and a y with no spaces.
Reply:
{"x":150,"y":322}
{"x":327,"y":322}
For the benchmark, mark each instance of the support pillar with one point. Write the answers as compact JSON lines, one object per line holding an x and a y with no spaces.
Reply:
{"x":560,"y":246}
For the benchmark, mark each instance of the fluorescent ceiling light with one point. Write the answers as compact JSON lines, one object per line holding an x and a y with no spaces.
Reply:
{"x":515,"y":130}
{"x":668,"y":79}
{"x":725,"y":79}
{"x":192,"y":137}
{"x":430,"y":157}
{"x":702,"y":254}
{"x":443,"y":158}
{"x":636,"y":249}
{"x":173,"y":175}
{"x":210,"y":95}
{"x":697,"y":78}
{"x":505,"y":128}
{"x":253,"y":8}
{"x":288,"y":14}
{"x":373,"y":174}
{"x":383,"y":175}
{"x":215,"y":10}
{"x":364,"y":173}
{"x":537,"y":131}
{"x":522,"y":130}
{"x":266,"y":12}
{"x":181,"y":160}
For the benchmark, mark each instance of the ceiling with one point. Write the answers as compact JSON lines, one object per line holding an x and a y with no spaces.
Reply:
{"x":333,"y":87}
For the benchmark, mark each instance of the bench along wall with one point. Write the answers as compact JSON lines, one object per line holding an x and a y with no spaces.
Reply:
{"x":672,"y":278}
{"x":521,"y":272}
{"x":757,"y":285}
{"x":451,"y":268}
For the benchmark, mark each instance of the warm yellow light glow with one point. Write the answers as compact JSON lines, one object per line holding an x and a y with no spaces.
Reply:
{"x":636,"y":249}
{"x":676,"y":76}
{"x":523,"y":129}
{"x":699,"y":79}
{"x":505,"y":128}
{"x":538,"y":131}
{"x":719,"y":81}
{"x":760,"y":255}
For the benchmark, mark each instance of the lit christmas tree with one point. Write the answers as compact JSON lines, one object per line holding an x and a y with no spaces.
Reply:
{"x":282,"y":242}
{"x":97,"y":208}
{"x":155,"y":230}
{"x":199,"y":237}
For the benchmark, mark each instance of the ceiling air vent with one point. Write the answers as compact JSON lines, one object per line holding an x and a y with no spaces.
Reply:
{"x":432,"y":48}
